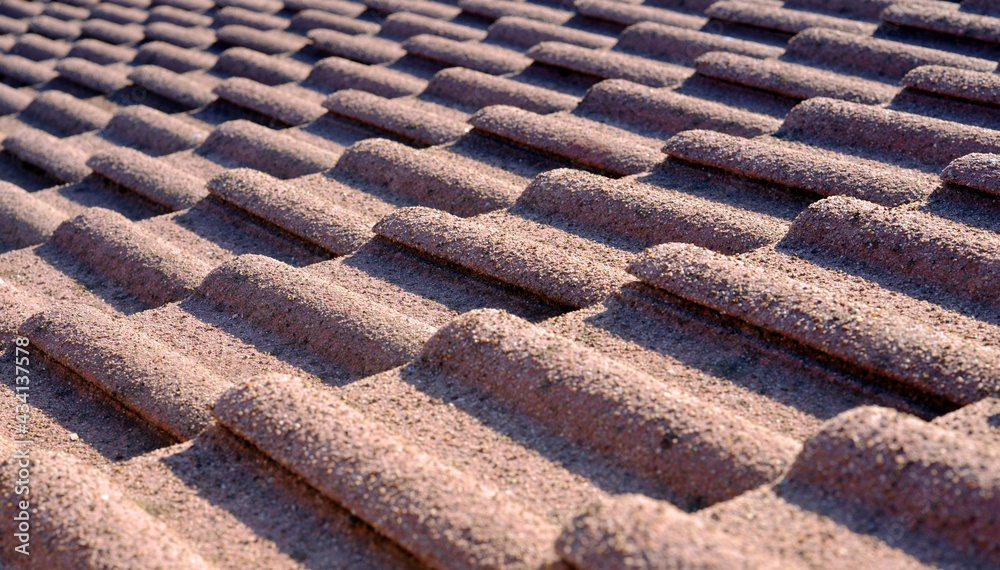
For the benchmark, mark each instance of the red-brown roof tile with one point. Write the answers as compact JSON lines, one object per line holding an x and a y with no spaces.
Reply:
{"x":637,"y":284}
{"x":101,"y":52}
{"x":39,"y":48}
{"x":501,"y":8}
{"x":362,"y":48}
{"x":682,"y":45}
{"x":473,"y":55}
{"x":782,"y":19}
{"x":879,"y":57}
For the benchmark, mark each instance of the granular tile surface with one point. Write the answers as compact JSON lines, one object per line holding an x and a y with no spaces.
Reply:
{"x":637,"y":284}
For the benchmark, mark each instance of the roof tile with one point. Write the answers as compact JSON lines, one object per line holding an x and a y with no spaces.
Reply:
{"x":402,"y":119}
{"x":817,"y":236}
{"x":185,"y":91}
{"x":13,"y":100}
{"x":178,"y":17}
{"x":261,"y":6}
{"x":665,"y":112}
{"x":66,"y":12}
{"x":146,"y":266}
{"x":117,"y":14}
{"x":292,"y":209}
{"x":269,"y":101}
{"x":62,"y":161}
{"x":163,"y":387}
{"x":496,"y":9}
{"x":405,"y":25}
{"x":953,"y":82}
{"x":97,"y":77}
{"x":339,"y":325}
{"x":976,"y":170}
{"x":792,"y":80}
{"x":174,"y":58}
{"x":266,"y":150}
{"x":646,"y":215}
{"x":475,"y":90}
{"x":627,"y":14}
{"x":874,"y":129}
{"x":361,"y":48}
{"x":101,"y":52}
{"x":516,"y":261}
{"x":865,"y":9}
{"x":681,"y":45}
{"x":979,"y":421}
{"x":842,"y":461}
{"x":666,"y":436}
{"x":608,"y":64}
{"x":270,"y":42}
{"x":782,"y":19}
{"x":945,"y":20}
{"x":335,"y":74}
{"x":38,"y":48}
{"x":914,"y":245}
{"x":894,"y":348}
{"x":20,"y":9}
{"x":250,"y":19}
{"x":148,"y":177}
{"x":114,"y":34}
{"x":12,"y":25}
{"x":71,"y":496}
{"x":307,"y":20}
{"x":770,"y":161}
{"x":262,"y":68}
{"x":427,"y":8}
{"x":154,"y":131}
{"x":610,"y":534}
{"x":66,"y":114}
{"x":24,"y":219}
{"x":24,"y":70}
{"x":430,"y":500}
{"x":185,"y":37}
{"x":473,"y":55}
{"x":340,"y":7}
{"x":426,"y":179}
{"x":188,"y":5}
{"x":53,"y":28}
{"x":570,"y":138}
{"x":525,"y":33}
{"x":872,"y":55}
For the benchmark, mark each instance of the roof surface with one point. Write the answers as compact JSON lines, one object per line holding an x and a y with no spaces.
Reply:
{"x":500,"y":284}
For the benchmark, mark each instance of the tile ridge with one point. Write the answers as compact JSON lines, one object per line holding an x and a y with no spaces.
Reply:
{"x":939,"y":365}
{"x":701,"y":453}
{"x":343,"y":327}
{"x":443,"y":516}
{"x":61,"y":160}
{"x":85,"y":517}
{"x":163,"y":387}
{"x":908,"y":243}
{"x":935,"y":479}
{"x":770,"y":161}
{"x":265,"y":149}
{"x":426,"y":179}
{"x":296,"y":211}
{"x":517,"y":261}
{"x":148,"y":177}
{"x":874,"y":129}
{"x":644,"y":214}
{"x":148,"y":267}
{"x":24,"y":219}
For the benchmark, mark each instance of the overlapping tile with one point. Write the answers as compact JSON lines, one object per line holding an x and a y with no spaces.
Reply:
{"x":408,"y":283}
